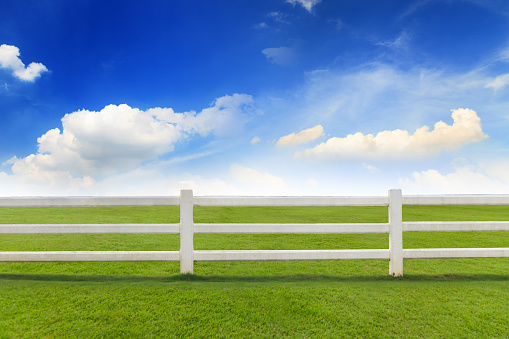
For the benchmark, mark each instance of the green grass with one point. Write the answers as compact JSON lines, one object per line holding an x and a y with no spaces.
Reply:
{"x":458,"y":298}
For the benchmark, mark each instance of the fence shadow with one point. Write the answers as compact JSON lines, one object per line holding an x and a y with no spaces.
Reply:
{"x":247,"y":279}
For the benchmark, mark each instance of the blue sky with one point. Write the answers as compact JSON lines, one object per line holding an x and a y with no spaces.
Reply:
{"x":297,"y":97}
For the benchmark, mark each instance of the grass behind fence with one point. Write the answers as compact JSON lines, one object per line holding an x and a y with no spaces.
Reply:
{"x":435,"y":298}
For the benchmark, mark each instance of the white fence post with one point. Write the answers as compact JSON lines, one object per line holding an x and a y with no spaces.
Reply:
{"x":186,"y":232}
{"x":395,"y":233}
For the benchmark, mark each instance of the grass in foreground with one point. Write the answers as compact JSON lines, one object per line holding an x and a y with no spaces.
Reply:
{"x":436,"y":298}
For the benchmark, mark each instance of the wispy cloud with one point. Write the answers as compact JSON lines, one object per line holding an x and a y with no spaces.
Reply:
{"x":284,"y":56}
{"x":400,"y":42}
{"x":278,"y":17}
{"x":416,"y":6}
{"x":499,"y":82}
{"x":307,"y":4}
{"x":261,"y":25}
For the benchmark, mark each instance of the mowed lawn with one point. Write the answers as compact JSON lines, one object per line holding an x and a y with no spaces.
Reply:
{"x":445,"y":298}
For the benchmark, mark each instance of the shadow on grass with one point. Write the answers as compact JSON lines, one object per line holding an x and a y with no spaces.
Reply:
{"x":261,"y":279}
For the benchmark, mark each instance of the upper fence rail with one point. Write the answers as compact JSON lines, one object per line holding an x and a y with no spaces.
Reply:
{"x":252,"y":201}
{"x":291,"y":201}
{"x":462,"y":199}
{"x":87,"y":201}
{"x":198,"y":201}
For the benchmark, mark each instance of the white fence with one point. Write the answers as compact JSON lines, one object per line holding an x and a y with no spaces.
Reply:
{"x":187,"y":228}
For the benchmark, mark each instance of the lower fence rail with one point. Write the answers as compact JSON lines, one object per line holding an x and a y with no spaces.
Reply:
{"x":250,"y":255}
{"x":288,"y":255}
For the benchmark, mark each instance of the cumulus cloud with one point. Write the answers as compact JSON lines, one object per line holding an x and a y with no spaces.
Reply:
{"x":119,"y":138}
{"x":302,"y":137}
{"x":99,"y":142}
{"x":307,"y":4}
{"x":399,"y":144}
{"x":284,"y":56}
{"x":9,"y":59}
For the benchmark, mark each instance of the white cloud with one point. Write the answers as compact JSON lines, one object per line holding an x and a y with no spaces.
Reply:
{"x":10,"y":161}
{"x":278,"y":17}
{"x":464,"y":180}
{"x":91,"y":142}
{"x":377,"y":95}
{"x":226,"y":117}
{"x":399,"y":144}
{"x":400,"y":42}
{"x":207,"y":186}
{"x":37,"y":182}
{"x":9,"y":59}
{"x":497,"y":168}
{"x":312,"y":182}
{"x":284,"y":56}
{"x":302,"y":137}
{"x":146,"y":181}
{"x":120,"y":138}
{"x":370,"y":168}
{"x":255,"y":140}
{"x":307,"y":4}
{"x":263,"y":182}
{"x":138,"y":182}
{"x":499,"y":82}
{"x":261,"y":25}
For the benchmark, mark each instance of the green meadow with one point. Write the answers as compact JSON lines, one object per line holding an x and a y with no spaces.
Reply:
{"x":443,"y":298}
